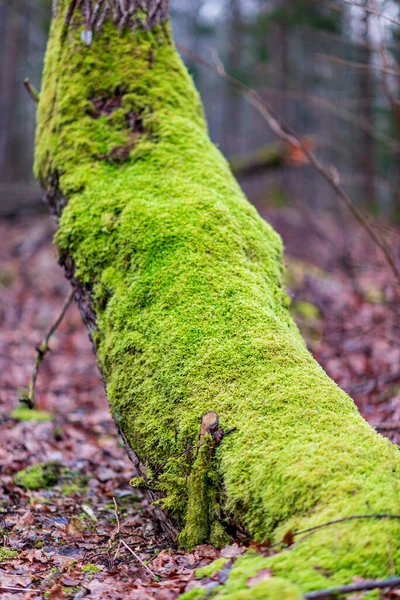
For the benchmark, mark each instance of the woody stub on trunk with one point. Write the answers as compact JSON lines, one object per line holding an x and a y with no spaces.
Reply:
{"x":231,"y":423}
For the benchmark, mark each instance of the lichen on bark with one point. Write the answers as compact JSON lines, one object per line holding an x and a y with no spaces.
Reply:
{"x":181,"y":284}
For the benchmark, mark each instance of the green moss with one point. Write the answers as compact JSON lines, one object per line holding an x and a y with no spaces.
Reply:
{"x":41,"y":475}
{"x":91,"y":568}
{"x":201,"y":522}
{"x":69,"y":489}
{"x":196,"y":593}
{"x":26,"y":414}
{"x":186,"y":282}
{"x":214,"y":567}
{"x":306,"y":310}
{"x":7,"y":554}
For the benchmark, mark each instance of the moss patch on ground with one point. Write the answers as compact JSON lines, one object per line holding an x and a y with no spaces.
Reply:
{"x":39,"y":476}
{"x":191,"y":316}
{"x":26,"y":414}
{"x":7,"y":554}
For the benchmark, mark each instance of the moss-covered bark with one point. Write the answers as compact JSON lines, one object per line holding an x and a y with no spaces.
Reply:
{"x":180,"y":283}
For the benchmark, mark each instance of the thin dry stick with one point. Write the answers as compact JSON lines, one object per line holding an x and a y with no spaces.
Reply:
{"x":284,"y":131}
{"x":368,"y":584}
{"x":32,"y":91}
{"x":42,"y":349}
{"x":356,"y":65}
{"x":372,"y":11}
{"x":344,"y":519}
{"x":117,"y":532}
{"x":311,"y":530}
{"x":11,"y":588}
{"x":139,"y":559}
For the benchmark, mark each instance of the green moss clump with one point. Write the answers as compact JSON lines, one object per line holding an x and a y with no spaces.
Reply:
{"x":214,"y":567}
{"x":69,"y":489}
{"x":306,"y":310}
{"x":27,"y":414}
{"x":91,"y":568}
{"x":41,"y":475}
{"x":7,"y":554}
{"x":191,"y":316}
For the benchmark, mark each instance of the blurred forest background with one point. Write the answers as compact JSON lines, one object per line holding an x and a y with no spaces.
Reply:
{"x":328,"y":67}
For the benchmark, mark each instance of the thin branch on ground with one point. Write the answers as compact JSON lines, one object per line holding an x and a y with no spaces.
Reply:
{"x":116,"y":533}
{"x":139,"y":560}
{"x":11,"y":588}
{"x":117,"y":530}
{"x":42,"y":349}
{"x":284,"y":131}
{"x":312,"y":530}
{"x":368,"y":584}
{"x":344,"y":519}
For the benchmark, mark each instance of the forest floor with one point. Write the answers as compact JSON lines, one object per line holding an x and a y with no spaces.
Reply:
{"x":92,"y":534}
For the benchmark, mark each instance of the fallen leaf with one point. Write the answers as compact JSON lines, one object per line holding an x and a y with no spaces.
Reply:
{"x":262,"y":575}
{"x":288,"y":538}
{"x":232,"y":551}
{"x":27,"y":520}
{"x":56,"y":593}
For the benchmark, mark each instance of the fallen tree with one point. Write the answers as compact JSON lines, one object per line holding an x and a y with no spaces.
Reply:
{"x":233,"y":426}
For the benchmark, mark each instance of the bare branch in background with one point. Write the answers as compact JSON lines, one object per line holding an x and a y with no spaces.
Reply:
{"x":42,"y":349}
{"x":284,"y":131}
{"x":372,"y":11}
{"x":356,"y":65}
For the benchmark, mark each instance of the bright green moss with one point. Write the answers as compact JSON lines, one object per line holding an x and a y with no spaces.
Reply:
{"x":41,"y":475}
{"x":186,"y":281}
{"x":69,"y":489}
{"x":7,"y":554}
{"x":306,"y":310}
{"x":91,"y":568}
{"x":26,"y":414}
{"x":214,"y":567}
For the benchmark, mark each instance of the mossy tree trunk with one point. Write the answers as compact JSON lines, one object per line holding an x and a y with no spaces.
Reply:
{"x":180,"y":284}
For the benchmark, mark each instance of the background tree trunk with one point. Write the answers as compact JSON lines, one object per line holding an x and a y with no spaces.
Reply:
{"x":180,"y":284}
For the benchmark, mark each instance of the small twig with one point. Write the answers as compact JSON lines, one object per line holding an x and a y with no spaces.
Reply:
{"x":351,"y":518}
{"x":139,"y":559}
{"x":117,"y":530}
{"x":284,"y":131}
{"x":372,"y":11}
{"x":32,"y":91}
{"x":368,"y":584}
{"x":42,"y":349}
{"x":116,"y":533}
{"x":356,"y":65}
{"x":8,"y":588}
{"x":312,"y":530}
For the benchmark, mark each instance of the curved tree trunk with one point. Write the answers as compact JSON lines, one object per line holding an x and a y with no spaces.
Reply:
{"x":180,"y":284}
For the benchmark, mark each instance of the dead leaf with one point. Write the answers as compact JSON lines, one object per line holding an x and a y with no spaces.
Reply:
{"x":27,"y":520}
{"x":11,"y":580}
{"x":76,"y":528}
{"x":232,"y":551}
{"x":288,"y":538}
{"x":262,"y":575}
{"x":56,"y":593}
{"x":36,"y":555}
{"x":70,"y":580}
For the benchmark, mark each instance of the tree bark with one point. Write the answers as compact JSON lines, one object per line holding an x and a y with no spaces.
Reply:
{"x":232,"y":424}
